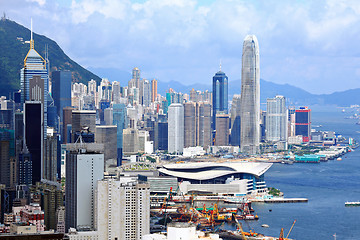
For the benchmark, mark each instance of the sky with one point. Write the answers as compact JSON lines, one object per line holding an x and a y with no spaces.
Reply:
{"x":313,"y":45}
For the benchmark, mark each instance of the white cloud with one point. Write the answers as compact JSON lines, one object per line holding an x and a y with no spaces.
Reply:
{"x":184,"y":40}
{"x":40,"y":2}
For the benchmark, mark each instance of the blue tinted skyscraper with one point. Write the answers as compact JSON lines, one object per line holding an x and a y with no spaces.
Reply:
{"x":34,"y":80}
{"x":250,"y":96}
{"x":220,"y":96}
{"x":61,"y":91}
{"x":119,"y":119}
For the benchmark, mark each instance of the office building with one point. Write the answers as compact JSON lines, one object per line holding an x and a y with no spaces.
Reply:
{"x":51,"y":156}
{"x":303,"y":123}
{"x":7,"y":152}
{"x":107,"y":135}
{"x":24,"y":167}
{"x":83,"y":120}
{"x":34,"y":80}
{"x":61,"y":91}
{"x":119,"y":119}
{"x":250,"y":97}
{"x":136,"y":77}
{"x":276,"y":119}
{"x":84,"y":167}
{"x":67,"y":120}
{"x":131,"y":144}
{"x":34,"y":140}
{"x":108,"y":116}
{"x":123,"y":209}
{"x":220,"y":95}
{"x":161,"y":136}
{"x":153,"y":90}
{"x":145,"y":92}
{"x":235,"y":120}
{"x":116,"y":95}
{"x":222,"y":130}
{"x":176,"y":128}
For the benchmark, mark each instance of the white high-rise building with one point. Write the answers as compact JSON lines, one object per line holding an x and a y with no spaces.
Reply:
{"x":176,"y":128}
{"x":116,"y":92}
{"x":122,"y":209}
{"x":146,"y":92}
{"x":276,"y":119}
{"x":250,"y":97}
{"x":92,"y":87}
{"x":84,"y":167}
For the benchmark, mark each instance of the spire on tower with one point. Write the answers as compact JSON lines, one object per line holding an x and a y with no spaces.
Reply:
{"x":220,"y":65}
{"x":31,"y":37}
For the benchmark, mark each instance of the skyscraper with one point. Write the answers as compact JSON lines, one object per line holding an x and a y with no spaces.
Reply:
{"x":82,"y":119}
{"x":106,"y":135}
{"x":176,"y":128}
{"x":123,"y":209}
{"x":197,"y":124}
{"x":84,"y":167}
{"x":119,"y":119}
{"x":222,"y":130}
{"x":61,"y":91}
{"x":136,"y":77}
{"x":220,"y":95}
{"x":34,"y":81}
{"x":34,"y":140}
{"x":145,"y":92}
{"x":116,"y":95}
{"x":250,"y":96}
{"x":303,"y":123}
{"x":276,"y":119}
{"x":235,"y":120}
{"x":153,"y":90}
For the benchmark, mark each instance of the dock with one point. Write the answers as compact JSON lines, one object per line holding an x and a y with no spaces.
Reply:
{"x":286,"y":200}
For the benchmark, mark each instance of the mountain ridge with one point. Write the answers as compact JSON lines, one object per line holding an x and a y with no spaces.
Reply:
{"x":13,"y":37}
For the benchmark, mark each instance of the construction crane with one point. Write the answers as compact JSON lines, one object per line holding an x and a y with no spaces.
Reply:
{"x":290,"y":229}
{"x":240,"y":227}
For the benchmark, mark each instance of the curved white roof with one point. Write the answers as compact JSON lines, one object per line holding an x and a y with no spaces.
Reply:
{"x":214,"y":169}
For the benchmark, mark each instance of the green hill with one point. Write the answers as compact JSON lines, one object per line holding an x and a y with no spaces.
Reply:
{"x":14,"y":50}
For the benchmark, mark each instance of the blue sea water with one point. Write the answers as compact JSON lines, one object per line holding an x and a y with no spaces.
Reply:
{"x":327,"y":185}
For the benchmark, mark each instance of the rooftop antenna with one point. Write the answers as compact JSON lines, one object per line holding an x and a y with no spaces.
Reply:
{"x":220,"y":65}
{"x":31,"y":38}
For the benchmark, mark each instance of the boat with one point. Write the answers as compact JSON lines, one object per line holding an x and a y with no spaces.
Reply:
{"x":265,"y":226}
{"x":339,"y":159}
{"x":352,"y":204}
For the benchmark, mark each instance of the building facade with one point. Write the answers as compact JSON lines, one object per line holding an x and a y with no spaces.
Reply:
{"x":176,"y":128}
{"x":84,"y":167}
{"x":235,"y":120}
{"x":220,"y":96}
{"x":276,"y":124}
{"x":250,"y":97}
{"x":122,"y":209}
{"x":303,"y":123}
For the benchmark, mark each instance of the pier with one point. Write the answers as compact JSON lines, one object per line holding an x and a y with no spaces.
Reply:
{"x":286,"y":200}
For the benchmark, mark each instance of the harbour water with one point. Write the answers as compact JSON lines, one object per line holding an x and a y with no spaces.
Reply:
{"x":327,"y":185}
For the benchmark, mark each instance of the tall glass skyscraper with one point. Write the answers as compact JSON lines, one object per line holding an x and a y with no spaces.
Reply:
{"x":220,"y":96}
{"x":61,"y":92}
{"x":250,"y":97}
{"x":119,"y":119}
{"x":34,"y":82}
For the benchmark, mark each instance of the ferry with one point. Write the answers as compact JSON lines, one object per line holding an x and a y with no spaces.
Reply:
{"x":352,"y":204}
